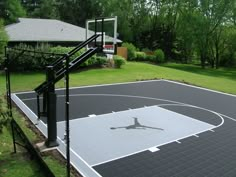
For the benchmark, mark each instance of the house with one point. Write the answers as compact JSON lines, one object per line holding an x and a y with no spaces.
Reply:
{"x":32,"y":31}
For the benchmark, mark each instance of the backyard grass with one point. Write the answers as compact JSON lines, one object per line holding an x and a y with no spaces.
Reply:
{"x":10,"y":164}
{"x":20,"y":164}
{"x":221,"y":79}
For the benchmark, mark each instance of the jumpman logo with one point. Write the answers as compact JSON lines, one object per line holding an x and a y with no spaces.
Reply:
{"x":136,"y":125}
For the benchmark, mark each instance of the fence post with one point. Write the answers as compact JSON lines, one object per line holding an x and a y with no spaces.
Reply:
{"x":51,"y":110}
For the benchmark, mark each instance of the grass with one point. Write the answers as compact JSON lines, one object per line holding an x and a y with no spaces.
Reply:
{"x":20,"y":164}
{"x":222,"y":79}
{"x":11,"y":164}
{"x":17,"y":164}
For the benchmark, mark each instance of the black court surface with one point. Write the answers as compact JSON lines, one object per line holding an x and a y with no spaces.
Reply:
{"x":155,"y":128}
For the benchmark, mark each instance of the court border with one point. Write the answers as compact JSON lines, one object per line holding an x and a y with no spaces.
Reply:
{"x":126,"y":83}
{"x":91,"y":167}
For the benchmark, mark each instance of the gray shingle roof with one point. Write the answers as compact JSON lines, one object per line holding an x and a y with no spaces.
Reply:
{"x":44,"y":30}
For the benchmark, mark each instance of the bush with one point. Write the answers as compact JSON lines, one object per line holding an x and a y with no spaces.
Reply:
{"x":131,"y":50}
{"x":160,"y":56}
{"x":36,"y":61}
{"x":29,"y":61}
{"x":100,"y":61}
{"x":141,"y":56}
{"x":119,"y":61}
{"x":151,"y":58}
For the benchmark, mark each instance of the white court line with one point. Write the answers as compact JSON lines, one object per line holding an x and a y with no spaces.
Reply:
{"x":141,"y":97}
{"x":177,"y":140}
{"x":146,"y":149}
{"x":228,"y":117}
{"x":113,"y":95}
{"x":137,"y":82}
{"x":198,"y":87}
{"x":178,"y":83}
{"x":27,"y":110}
{"x":179,"y":104}
{"x":92,"y":115}
{"x":100,"y":85}
{"x":197,"y":107}
{"x":196,"y":136}
{"x":153,"y":149}
{"x":79,"y":158}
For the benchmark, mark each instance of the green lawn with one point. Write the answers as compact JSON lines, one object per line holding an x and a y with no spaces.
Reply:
{"x":222,"y":80}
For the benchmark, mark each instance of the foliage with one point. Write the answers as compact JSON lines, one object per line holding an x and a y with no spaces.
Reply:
{"x":141,"y":56}
{"x":100,"y":61}
{"x":160,"y":56}
{"x":11,"y":10}
{"x":228,"y":56}
{"x":151,"y":58}
{"x":119,"y":61}
{"x":78,"y":11}
{"x":3,"y":41}
{"x":29,"y":61}
{"x":131,"y":50}
{"x":4,"y":118}
{"x":185,"y":30}
{"x":47,"y":10}
{"x":146,"y":50}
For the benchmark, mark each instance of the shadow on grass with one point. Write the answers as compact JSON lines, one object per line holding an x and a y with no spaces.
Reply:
{"x":229,"y":73}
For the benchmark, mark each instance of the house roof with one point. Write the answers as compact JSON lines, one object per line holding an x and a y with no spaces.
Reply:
{"x":44,"y":30}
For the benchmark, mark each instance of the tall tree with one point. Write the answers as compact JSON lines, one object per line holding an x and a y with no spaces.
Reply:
{"x":117,"y":8}
{"x":30,"y":6}
{"x":77,"y":11}
{"x":205,"y":19}
{"x":11,"y":10}
{"x":46,"y":9}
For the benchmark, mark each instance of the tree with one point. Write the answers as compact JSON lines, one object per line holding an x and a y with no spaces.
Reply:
{"x":46,"y":9}
{"x":117,"y":8}
{"x":78,"y":11}
{"x":205,"y":20}
{"x":11,"y":10}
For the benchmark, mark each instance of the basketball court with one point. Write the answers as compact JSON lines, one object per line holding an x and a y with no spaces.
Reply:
{"x":149,"y":128}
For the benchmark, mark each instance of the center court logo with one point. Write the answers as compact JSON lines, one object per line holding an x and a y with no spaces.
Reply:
{"x":136,"y":125}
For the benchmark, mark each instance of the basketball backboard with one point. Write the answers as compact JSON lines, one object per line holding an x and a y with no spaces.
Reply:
{"x":109,"y":28}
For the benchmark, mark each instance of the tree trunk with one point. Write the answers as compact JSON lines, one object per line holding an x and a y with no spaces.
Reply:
{"x":212,"y":63}
{"x":203,"y":61}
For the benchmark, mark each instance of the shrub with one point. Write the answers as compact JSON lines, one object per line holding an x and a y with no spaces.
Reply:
{"x":29,"y":61}
{"x":160,"y":56}
{"x":119,"y":61}
{"x":151,"y":58}
{"x":64,"y":50}
{"x":131,"y":50}
{"x":37,"y":61}
{"x":92,"y":61}
{"x":100,"y":61}
{"x":141,"y":56}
